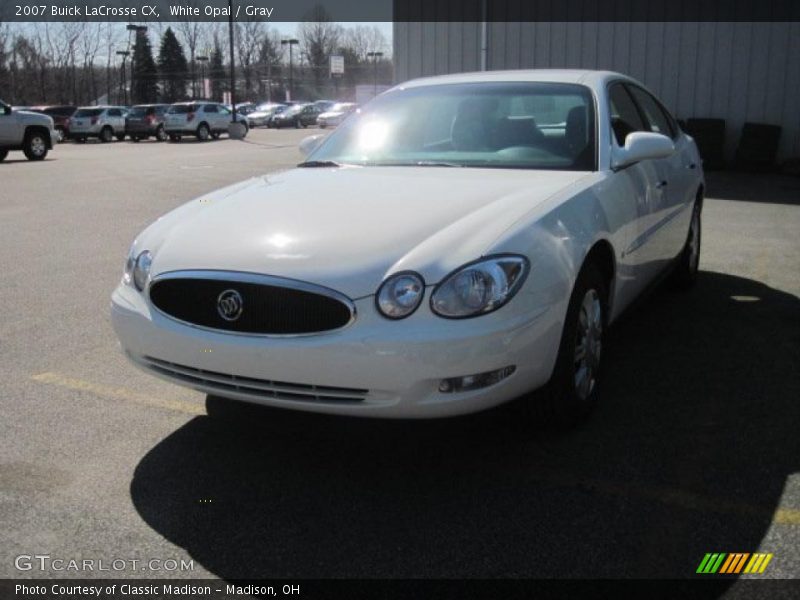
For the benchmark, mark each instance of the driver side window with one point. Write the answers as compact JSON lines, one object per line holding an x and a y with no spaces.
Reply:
{"x":625,"y":118}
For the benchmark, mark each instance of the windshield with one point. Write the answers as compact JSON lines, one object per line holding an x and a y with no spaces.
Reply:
{"x":88,"y":112}
{"x":501,"y":125}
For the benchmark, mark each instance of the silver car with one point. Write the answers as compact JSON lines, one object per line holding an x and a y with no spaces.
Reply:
{"x":103,"y":122}
{"x":203,"y":120}
{"x":336,"y":114}
{"x":33,"y":133}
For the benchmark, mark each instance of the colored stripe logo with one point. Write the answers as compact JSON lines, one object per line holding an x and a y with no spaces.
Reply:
{"x":733,"y":563}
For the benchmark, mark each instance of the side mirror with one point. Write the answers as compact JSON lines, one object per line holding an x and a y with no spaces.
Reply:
{"x":6,"y":109}
{"x":311,"y":143}
{"x":642,"y":145}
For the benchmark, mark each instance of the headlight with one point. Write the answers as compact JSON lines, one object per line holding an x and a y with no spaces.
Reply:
{"x":141,"y":271}
{"x":480,"y":287}
{"x":130,"y":263}
{"x":400,"y":295}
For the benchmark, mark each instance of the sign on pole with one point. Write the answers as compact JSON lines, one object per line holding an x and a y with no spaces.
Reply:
{"x":337,"y":64}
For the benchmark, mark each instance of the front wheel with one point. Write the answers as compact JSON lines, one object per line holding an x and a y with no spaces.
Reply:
{"x":685,"y":274}
{"x":59,"y":135}
{"x":120,"y":137}
{"x":35,"y":146}
{"x":161,"y":135}
{"x":174,"y":137}
{"x":203,"y":132}
{"x":106,"y":135}
{"x":574,"y":388}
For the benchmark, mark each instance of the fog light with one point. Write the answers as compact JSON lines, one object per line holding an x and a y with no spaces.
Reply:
{"x":475,"y":382}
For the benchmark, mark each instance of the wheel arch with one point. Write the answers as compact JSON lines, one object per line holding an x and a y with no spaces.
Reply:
{"x":41,"y":129}
{"x":601,"y":254}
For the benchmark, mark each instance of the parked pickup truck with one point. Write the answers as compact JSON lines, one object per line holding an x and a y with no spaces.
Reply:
{"x":33,"y":133}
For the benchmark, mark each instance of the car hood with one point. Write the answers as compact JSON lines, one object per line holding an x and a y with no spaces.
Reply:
{"x":347,"y":228}
{"x":34,"y":117}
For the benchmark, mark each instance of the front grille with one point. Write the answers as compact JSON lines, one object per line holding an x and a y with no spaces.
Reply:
{"x":261,"y":305}
{"x":261,"y":388}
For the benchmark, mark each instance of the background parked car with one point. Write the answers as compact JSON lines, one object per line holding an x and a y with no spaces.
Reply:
{"x":324,"y":105}
{"x":102,"y":122}
{"x":204,"y":120}
{"x":299,"y":115}
{"x":263,"y":113}
{"x":30,"y":132}
{"x":336,"y":114}
{"x":61,"y":115}
{"x":145,"y":120}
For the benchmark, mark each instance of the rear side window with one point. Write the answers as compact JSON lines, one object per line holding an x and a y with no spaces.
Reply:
{"x":625,"y":117}
{"x":211,"y":108}
{"x":114,"y":112}
{"x":89,"y":112}
{"x":657,"y":120}
{"x":180,"y":109}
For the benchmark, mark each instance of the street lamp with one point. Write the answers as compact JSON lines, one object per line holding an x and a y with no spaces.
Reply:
{"x":136,"y":29}
{"x":124,"y":54}
{"x":202,"y":60}
{"x":291,"y":42}
{"x":375,"y":56}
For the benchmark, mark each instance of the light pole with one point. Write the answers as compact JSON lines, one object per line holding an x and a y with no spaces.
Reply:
{"x":291,"y":42}
{"x":202,"y":60}
{"x":136,"y":29}
{"x":124,"y":54}
{"x":375,"y":56}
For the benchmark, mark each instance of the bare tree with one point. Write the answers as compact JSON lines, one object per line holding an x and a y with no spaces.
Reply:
{"x":249,"y":39}
{"x":192,"y":32}
{"x":320,"y":37}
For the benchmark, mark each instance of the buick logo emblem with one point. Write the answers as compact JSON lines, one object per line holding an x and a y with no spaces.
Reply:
{"x":230,"y":305}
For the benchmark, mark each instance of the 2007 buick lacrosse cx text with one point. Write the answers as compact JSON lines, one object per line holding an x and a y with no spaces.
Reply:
{"x":458,"y":242}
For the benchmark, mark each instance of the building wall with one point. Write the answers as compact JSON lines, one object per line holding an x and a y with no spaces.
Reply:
{"x":740,"y":72}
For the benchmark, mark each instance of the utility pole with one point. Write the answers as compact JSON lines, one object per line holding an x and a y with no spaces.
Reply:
{"x":291,"y":42}
{"x":375,"y":56}
{"x":124,"y":54}
{"x":202,"y":60}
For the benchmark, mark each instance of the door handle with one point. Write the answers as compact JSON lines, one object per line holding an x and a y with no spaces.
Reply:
{"x":662,"y":184}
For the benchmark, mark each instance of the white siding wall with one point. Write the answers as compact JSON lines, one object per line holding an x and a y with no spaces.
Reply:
{"x":735,"y":71}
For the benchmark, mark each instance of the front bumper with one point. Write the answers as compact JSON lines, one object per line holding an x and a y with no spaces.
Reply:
{"x":380,"y":368}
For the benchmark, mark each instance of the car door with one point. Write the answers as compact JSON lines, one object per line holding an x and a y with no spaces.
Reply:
{"x":213,"y":113}
{"x":9,"y":128}
{"x":115,"y":119}
{"x":640,"y":183}
{"x":673,"y":217}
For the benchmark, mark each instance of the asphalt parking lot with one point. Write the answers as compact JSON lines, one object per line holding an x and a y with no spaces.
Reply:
{"x":694,"y":450}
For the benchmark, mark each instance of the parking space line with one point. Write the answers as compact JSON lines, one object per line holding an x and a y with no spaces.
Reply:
{"x":664,"y":495}
{"x":118,"y":393}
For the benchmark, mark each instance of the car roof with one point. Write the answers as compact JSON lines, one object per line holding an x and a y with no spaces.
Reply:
{"x":590,"y":78}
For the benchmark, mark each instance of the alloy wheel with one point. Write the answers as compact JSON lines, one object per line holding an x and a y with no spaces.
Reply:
{"x":588,"y":344}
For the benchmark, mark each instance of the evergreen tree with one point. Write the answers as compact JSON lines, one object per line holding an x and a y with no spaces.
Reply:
{"x":145,"y":74}
{"x":172,"y":67}
{"x":216,"y":72}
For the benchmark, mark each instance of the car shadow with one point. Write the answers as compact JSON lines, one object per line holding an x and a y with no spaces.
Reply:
{"x":688,"y":453}
{"x":769,"y":188}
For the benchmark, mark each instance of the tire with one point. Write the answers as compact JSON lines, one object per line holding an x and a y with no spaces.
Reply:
{"x":174,"y":137}
{"x":80,"y":140}
{"x":684,"y":276}
{"x":203,"y":132}
{"x":161,"y":134}
{"x":3,"y":154}
{"x":120,"y":137}
{"x":297,"y":124}
{"x":106,"y":135}
{"x":574,"y":388}
{"x":215,"y":135}
{"x":60,"y":136}
{"x":135,"y":138}
{"x":35,"y":146}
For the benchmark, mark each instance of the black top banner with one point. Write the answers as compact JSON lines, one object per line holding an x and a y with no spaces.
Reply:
{"x":143,"y":11}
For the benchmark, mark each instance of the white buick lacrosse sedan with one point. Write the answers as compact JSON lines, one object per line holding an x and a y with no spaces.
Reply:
{"x":458,"y":242}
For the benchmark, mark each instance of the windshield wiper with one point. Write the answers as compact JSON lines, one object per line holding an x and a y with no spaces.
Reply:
{"x":416,"y":163}
{"x":319,"y":163}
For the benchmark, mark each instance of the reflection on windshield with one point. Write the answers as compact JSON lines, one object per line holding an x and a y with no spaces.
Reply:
{"x":505,"y":125}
